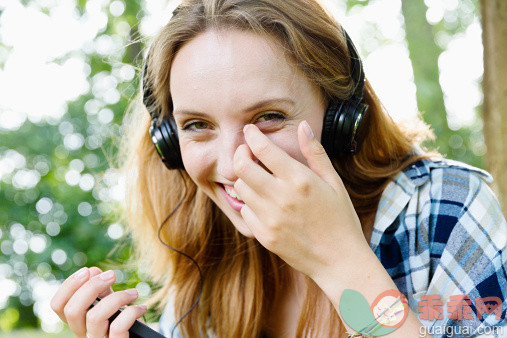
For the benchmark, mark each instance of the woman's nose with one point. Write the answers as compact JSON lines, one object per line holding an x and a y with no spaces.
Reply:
{"x":228,"y":143}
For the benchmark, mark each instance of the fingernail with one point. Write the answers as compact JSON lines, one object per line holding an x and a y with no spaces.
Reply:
{"x":132,"y":292}
{"x":141,"y":306}
{"x":245,"y":128}
{"x":80,"y":273}
{"x":105,"y":276}
{"x":308,"y":130}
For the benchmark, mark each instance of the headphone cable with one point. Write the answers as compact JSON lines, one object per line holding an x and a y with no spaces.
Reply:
{"x":182,"y":253}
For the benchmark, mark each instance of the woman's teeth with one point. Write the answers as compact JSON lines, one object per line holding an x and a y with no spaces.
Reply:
{"x":230,"y":191}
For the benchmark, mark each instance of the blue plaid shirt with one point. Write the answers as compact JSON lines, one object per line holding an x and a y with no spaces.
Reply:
{"x":438,"y":231}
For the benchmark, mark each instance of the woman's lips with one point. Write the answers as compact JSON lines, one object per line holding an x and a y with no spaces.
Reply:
{"x":234,"y":203}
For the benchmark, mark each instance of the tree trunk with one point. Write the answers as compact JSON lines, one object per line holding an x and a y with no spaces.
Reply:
{"x":424,"y":53}
{"x":494,"y":84}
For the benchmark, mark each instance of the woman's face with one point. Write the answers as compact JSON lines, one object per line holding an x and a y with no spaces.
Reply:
{"x":222,"y":80}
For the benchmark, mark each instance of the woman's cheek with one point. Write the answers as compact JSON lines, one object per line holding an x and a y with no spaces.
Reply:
{"x":288,"y":142}
{"x":196,"y":159}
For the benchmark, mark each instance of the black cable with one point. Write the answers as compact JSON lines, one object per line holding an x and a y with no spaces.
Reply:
{"x":182,"y":253}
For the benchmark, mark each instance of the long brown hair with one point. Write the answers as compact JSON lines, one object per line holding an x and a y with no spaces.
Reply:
{"x":242,"y":280}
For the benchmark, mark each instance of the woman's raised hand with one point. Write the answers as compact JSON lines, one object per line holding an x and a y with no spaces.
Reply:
{"x":73,"y":299}
{"x":301,"y":213}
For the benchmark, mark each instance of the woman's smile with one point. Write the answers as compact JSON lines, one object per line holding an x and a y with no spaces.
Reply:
{"x":232,"y":197}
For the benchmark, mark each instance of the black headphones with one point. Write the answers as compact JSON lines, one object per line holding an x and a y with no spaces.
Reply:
{"x":340,"y":131}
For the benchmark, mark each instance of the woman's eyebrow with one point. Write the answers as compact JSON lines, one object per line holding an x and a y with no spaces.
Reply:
{"x":257,"y":105}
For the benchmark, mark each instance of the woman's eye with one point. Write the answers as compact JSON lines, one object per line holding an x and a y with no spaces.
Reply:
{"x":195,"y":125}
{"x":271,"y":116}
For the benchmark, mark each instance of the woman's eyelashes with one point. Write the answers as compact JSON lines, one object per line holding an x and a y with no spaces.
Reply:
{"x":194,"y":126}
{"x":271,"y":116}
{"x":264,"y":119}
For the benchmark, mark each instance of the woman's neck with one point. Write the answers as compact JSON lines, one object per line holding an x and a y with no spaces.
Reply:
{"x":284,"y":315}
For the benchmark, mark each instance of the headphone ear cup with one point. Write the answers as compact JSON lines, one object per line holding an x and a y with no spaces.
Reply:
{"x":354,"y":112}
{"x":341,"y":126}
{"x":345,"y":128}
{"x":335,"y":119}
{"x":165,"y":139}
{"x":328,"y":127}
{"x":357,"y":128}
{"x":339,"y":139}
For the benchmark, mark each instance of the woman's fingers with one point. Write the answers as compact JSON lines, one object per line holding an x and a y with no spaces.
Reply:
{"x":249,"y":195}
{"x":120,"y":326}
{"x":317,"y":158}
{"x":76,"y":308}
{"x":251,"y":172}
{"x":97,"y":323}
{"x":273,"y":157}
{"x":78,"y":292}
{"x":67,"y":290}
{"x":253,"y":223}
{"x":95,"y":271}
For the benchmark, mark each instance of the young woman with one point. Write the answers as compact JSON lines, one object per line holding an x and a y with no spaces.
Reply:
{"x":288,"y":184}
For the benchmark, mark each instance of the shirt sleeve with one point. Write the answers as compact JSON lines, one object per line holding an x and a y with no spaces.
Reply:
{"x":470,"y":232}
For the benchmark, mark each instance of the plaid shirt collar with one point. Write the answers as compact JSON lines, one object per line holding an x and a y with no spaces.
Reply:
{"x":404,"y":185}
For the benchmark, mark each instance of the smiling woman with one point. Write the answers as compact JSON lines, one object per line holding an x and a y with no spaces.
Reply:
{"x":288,"y":185}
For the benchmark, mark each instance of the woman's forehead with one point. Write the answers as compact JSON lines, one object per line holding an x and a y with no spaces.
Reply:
{"x":233,"y":63}
{"x":231,"y":48}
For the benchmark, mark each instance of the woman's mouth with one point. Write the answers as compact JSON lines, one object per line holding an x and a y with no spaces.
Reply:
{"x":232,"y":197}
{"x":231,"y":192}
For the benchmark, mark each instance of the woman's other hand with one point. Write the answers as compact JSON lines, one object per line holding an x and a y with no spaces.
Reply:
{"x":74,"y":297}
{"x":301,"y":213}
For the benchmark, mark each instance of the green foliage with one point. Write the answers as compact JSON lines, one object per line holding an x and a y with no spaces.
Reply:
{"x":8,"y":319}
{"x":352,"y":3}
{"x":69,"y":209}
{"x":66,"y":333}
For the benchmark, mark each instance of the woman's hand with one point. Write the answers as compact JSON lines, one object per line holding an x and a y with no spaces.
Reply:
{"x":73,"y":299}
{"x":302,"y":214}
{"x":305,"y":216}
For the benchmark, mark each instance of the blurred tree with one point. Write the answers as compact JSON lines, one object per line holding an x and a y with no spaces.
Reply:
{"x":424,"y":54}
{"x":494,"y":23}
{"x":464,"y":143}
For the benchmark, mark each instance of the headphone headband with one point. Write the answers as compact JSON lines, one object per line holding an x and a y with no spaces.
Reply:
{"x":357,"y":72}
{"x":148,"y":97}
